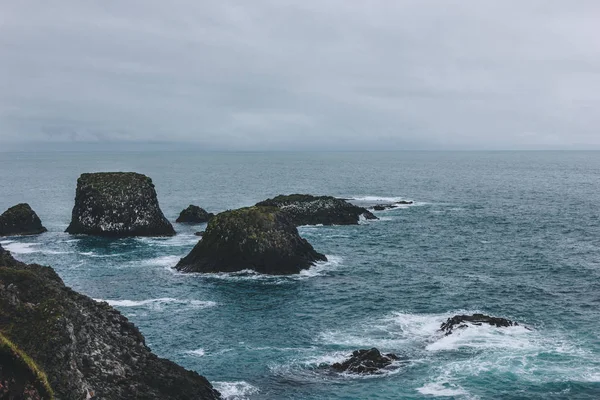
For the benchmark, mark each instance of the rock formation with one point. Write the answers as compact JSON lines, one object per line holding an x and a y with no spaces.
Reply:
{"x":194,"y":215}
{"x":381,"y":207}
{"x":117,"y":204}
{"x":83,"y":347}
{"x":304,"y":209}
{"x":20,"y":220}
{"x":262,"y":239}
{"x":366,"y":362}
{"x":460,"y":322}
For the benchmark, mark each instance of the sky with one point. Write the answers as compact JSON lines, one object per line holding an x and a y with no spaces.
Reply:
{"x":301,"y":75}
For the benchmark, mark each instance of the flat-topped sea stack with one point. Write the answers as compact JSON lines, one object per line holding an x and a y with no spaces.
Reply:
{"x":117,"y":204}
{"x":304,"y":209}
{"x":53,"y":339}
{"x":20,"y":220}
{"x":262,"y":239}
{"x":194,"y":215}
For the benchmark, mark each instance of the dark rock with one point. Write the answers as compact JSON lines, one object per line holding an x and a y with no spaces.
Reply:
{"x":460,"y":322}
{"x":381,"y":207}
{"x":200,"y":233}
{"x":366,"y":362}
{"x":194,"y":215}
{"x":84,"y":347}
{"x":304,"y":209}
{"x":262,"y":239}
{"x":117,"y":204}
{"x":20,"y":220}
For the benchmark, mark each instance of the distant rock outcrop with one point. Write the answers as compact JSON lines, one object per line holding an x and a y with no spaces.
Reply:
{"x":55,"y":339}
{"x":381,"y":207}
{"x":304,"y":209}
{"x":262,"y":239}
{"x":366,"y":362}
{"x":20,"y":220}
{"x":460,"y":322}
{"x":194,"y":215}
{"x":117,"y":204}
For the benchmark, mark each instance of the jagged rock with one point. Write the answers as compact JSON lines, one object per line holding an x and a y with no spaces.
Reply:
{"x":117,"y":204}
{"x":460,"y":322}
{"x":85,"y":348}
{"x":20,"y":220}
{"x":194,"y":215}
{"x":262,"y":239}
{"x":366,"y":362}
{"x":381,"y":207}
{"x":199,"y":233}
{"x":304,"y":209}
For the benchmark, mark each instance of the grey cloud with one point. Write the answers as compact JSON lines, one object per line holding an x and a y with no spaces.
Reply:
{"x":302,"y":74}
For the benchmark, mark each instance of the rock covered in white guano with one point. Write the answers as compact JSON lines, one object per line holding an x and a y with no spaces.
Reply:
{"x":305,"y":209}
{"x":117,"y":204}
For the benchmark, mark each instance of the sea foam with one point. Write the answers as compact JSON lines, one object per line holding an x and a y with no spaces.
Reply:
{"x":239,"y":390}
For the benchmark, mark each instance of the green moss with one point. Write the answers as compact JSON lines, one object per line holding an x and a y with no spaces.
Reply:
{"x":23,"y":361}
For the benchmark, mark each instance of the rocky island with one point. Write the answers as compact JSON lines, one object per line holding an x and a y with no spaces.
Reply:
{"x":462,"y":321}
{"x":57,"y":342}
{"x":117,"y":204}
{"x":305,"y":209}
{"x":194,"y":215}
{"x":262,"y":239}
{"x":20,"y":220}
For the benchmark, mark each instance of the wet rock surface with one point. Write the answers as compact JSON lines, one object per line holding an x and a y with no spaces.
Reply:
{"x":194,"y":215}
{"x":304,"y":209}
{"x":20,"y":220}
{"x":117,"y":204}
{"x":262,"y":239}
{"x":366,"y":362}
{"x":462,"y":321}
{"x":382,"y":207}
{"x":85,"y":348}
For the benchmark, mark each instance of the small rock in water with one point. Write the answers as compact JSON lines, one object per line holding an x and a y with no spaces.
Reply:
{"x":200,"y":233}
{"x":459,"y":322}
{"x":194,"y":215}
{"x":20,"y":220}
{"x":366,"y":362}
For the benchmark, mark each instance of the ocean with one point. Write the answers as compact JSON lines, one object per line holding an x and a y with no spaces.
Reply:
{"x":511,"y":234}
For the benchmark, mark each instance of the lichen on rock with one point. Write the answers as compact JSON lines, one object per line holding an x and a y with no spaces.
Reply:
{"x":117,"y":204}
{"x":85,"y":348}
{"x":194,"y":215}
{"x":305,"y":209}
{"x":262,"y":239}
{"x":20,"y":220}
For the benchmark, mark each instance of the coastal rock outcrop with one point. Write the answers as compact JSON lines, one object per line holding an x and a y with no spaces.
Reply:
{"x":461,"y":321}
{"x":117,"y":204}
{"x":262,"y":239}
{"x":381,"y":207}
{"x":86,"y":349}
{"x":304,"y":209}
{"x":366,"y":362}
{"x":20,"y":220}
{"x":194,"y":215}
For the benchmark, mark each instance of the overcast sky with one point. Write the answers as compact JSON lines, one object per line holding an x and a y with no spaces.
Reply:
{"x":264,"y":75}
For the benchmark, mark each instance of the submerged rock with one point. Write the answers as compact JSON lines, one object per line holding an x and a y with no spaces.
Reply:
{"x":117,"y":204}
{"x":83,"y":347}
{"x":460,"y":322}
{"x":262,"y":239}
{"x":366,"y":362}
{"x":304,"y":209}
{"x":20,"y":220}
{"x":381,"y":207}
{"x":194,"y":215}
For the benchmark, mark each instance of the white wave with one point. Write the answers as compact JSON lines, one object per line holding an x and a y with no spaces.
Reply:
{"x":179,"y":240}
{"x":239,"y":390}
{"x":386,"y":199}
{"x":321,"y":267}
{"x":166,"y":261}
{"x":158,"y":304}
{"x":20,"y":248}
{"x":486,"y":337}
{"x":439,"y":389}
{"x":197,"y":352}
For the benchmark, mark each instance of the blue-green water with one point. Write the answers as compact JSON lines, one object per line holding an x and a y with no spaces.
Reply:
{"x":513,"y":234}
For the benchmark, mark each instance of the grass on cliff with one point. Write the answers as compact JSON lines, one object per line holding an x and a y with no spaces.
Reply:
{"x":22,"y":360}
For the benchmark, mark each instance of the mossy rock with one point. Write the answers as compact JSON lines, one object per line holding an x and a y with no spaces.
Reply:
{"x":20,"y":220}
{"x":194,"y":215}
{"x":20,"y":377}
{"x":305,"y":209}
{"x":262,"y":239}
{"x":117,"y":204}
